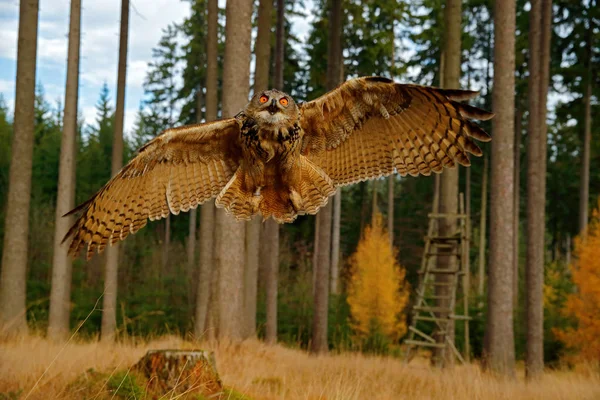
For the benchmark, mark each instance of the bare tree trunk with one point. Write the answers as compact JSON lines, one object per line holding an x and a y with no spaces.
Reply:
{"x":390,"y":221}
{"x":60,"y":294}
{"x":166,"y":244}
{"x":335,"y":242}
{"x":482,"y":229}
{"x":516,"y":206}
{"x":584,"y":188}
{"x":271,"y":231}
{"x":13,"y":278}
{"x":230,"y":234}
{"x":279,"y":48}
{"x":109,"y":301}
{"x":253,"y":228}
{"x":269,"y":242}
{"x":536,"y":173}
{"x":319,"y":342}
{"x":374,"y":208}
{"x":500,"y":345}
{"x":206,"y":297}
{"x":192,"y":239}
{"x":263,"y":45}
{"x":449,"y":178}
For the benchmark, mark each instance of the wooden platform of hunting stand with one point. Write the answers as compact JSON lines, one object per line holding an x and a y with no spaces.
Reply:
{"x":180,"y":371}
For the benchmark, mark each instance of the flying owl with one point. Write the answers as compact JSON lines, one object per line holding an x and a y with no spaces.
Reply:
{"x":283,"y":159}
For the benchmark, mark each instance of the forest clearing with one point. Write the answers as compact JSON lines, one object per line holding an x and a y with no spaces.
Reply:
{"x":316,"y":199}
{"x":260,"y":371}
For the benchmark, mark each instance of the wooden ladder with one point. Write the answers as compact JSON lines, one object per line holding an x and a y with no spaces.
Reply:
{"x":435,"y":305}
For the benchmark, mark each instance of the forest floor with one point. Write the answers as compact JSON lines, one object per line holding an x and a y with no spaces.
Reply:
{"x":34,"y":368}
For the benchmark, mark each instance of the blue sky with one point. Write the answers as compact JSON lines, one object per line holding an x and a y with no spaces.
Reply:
{"x":99,"y":47}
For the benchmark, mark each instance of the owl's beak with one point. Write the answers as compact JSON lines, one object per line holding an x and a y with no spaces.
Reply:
{"x":273,"y":107}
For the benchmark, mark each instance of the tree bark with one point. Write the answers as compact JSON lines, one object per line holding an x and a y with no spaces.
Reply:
{"x":517,"y":202}
{"x":270,"y":230}
{"x":584,"y":188}
{"x":449,"y":178}
{"x":500,"y":345}
{"x":263,"y":45}
{"x":539,"y":39}
{"x":335,"y":242}
{"x":279,"y":45}
{"x":206,"y":298}
{"x":319,"y":342}
{"x":253,"y":228}
{"x":13,"y":318}
{"x":230,"y":234}
{"x":482,"y":230}
{"x":60,"y":293}
{"x":374,"y":208}
{"x":390,"y":220}
{"x":109,"y":300}
{"x":271,"y":233}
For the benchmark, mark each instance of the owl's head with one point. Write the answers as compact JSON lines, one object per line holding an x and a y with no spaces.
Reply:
{"x":273,"y":107}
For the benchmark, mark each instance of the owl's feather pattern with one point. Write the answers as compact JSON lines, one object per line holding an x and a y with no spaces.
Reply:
{"x":288,"y":164}
{"x":370,"y":127}
{"x":176,"y":171}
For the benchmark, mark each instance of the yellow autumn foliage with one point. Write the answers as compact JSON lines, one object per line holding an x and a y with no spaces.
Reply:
{"x":584,"y":304}
{"x":377,"y":293}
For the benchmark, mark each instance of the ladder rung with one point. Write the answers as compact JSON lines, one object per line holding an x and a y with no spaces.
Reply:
{"x":426,"y":344}
{"x":461,"y":317}
{"x":422,"y":334}
{"x":445,"y":238}
{"x":437,"y":297}
{"x":432,"y":319}
{"x":442,"y":215}
{"x":443,"y":254}
{"x":433,"y":309}
{"x":434,"y":283}
{"x":442,"y":271}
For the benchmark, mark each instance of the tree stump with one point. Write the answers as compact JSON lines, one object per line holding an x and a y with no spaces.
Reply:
{"x":180,"y":371}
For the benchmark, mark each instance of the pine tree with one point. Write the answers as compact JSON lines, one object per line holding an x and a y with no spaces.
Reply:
{"x":60,"y":296}
{"x":14,"y":255}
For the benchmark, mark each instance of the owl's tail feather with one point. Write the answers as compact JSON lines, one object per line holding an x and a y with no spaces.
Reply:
{"x":304,"y":191}
{"x":237,"y":199}
{"x":305,"y":194}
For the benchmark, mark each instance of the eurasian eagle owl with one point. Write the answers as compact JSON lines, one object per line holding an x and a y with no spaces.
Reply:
{"x":281,"y":159}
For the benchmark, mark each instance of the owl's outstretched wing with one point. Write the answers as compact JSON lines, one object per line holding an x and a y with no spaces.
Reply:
{"x":370,"y":127}
{"x":174,"y":172}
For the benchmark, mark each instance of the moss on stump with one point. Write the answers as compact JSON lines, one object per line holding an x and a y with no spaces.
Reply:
{"x":180,"y":371}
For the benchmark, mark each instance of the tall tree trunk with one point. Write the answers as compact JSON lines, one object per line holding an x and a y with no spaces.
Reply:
{"x":374,"y":208}
{"x":321,"y":290}
{"x":207,"y":293}
{"x":109,"y":300}
{"x":253,"y":228}
{"x":482,"y":230}
{"x":449,"y":178}
{"x":60,"y":294}
{"x":390,"y":222}
{"x":270,"y":230}
{"x":192,"y":239}
{"x":230,"y":234}
{"x":517,"y":202}
{"x":335,"y":242}
{"x":584,"y":187}
{"x":500,"y":345}
{"x":279,"y":45}
{"x":13,"y":318}
{"x":539,"y":38}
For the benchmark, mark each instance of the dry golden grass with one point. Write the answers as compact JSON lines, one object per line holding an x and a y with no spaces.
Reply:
{"x":43,"y":370}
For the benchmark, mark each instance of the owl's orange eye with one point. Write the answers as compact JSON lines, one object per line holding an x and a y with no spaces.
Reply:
{"x":284,"y":101}
{"x":263,"y":99}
